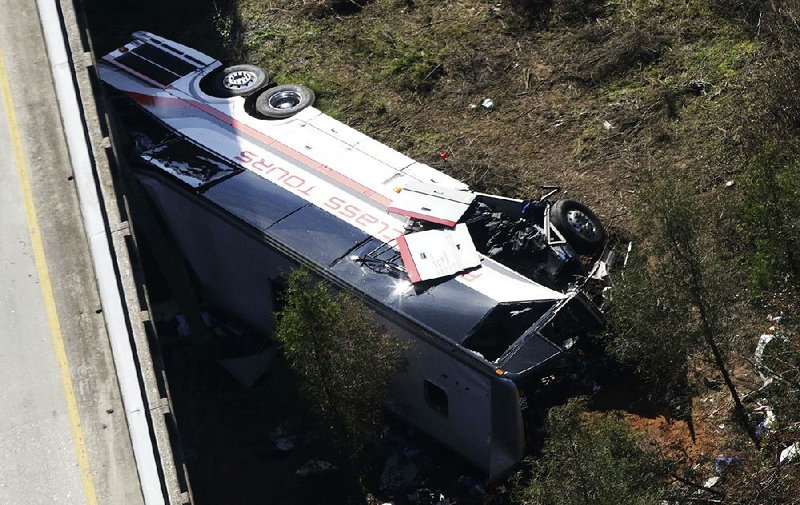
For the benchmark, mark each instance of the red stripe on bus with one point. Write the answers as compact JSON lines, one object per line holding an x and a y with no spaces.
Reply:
{"x":269,"y":141}
{"x":292,"y":153}
{"x":421,"y":217}
{"x":408,"y":260}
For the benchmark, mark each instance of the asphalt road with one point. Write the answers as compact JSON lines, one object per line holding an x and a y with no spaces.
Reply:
{"x":63,"y":434}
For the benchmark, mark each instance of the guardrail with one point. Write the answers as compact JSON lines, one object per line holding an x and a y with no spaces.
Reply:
{"x":90,"y":131}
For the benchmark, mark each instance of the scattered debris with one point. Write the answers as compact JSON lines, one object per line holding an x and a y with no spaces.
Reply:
{"x":790,"y":453}
{"x":600,"y":271}
{"x":282,"y":439}
{"x":767,"y":422}
{"x":763,"y":372}
{"x":712,"y":383}
{"x":627,"y":254}
{"x":182,"y":326}
{"x":399,"y":473}
{"x":315,"y":466}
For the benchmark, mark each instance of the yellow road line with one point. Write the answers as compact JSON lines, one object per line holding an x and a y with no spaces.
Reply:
{"x":47,"y":288}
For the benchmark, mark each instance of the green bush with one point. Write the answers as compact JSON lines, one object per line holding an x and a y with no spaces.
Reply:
{"x":343,"y":361}
{"x":768,"y":215}
{"x":593,"y":459}
{"x":645,"y":318}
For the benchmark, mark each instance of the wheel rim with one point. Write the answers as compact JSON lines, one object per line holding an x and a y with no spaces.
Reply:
{"x":285,"y":100}
{"x":583,"y":224}
{"x":239,"y":80}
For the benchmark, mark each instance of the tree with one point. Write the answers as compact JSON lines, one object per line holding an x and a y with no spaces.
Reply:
{"x":343,"y":361}
{"x":689,"y":286}
{"x":590,"y":459}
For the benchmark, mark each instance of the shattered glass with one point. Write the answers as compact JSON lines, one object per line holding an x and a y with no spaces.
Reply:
{"x":193,"y":166}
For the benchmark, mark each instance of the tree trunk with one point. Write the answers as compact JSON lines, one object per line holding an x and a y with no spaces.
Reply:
{"x":700,"y":299}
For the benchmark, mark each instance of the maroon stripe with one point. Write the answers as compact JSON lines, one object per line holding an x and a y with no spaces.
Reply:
{"x":408,"y":260}
{"x":423,"y":217}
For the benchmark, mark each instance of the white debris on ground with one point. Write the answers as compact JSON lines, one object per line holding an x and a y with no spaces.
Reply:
{"x":763,"y":341}
{"x":790,"y":453}
{"x":768,"y":422}
{"x":762,"y":344}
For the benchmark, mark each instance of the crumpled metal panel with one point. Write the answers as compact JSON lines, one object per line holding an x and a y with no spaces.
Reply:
{"x":449,"y":308}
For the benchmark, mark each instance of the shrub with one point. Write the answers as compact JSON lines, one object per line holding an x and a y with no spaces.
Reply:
{"x":768,"y":215}
{"x":642,"y":323}
{"x":593,"y":459}
{"x":343,"y":361}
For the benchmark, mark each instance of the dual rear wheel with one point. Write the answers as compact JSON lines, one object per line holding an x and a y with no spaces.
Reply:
{"x":277,"y":102}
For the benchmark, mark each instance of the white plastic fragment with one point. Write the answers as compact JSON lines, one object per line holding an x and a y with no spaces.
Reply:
{"x":769,"y":416}
{"x":790,"y":453}
{"x":762,"y":344}
{"x":487,"y":103}
{"x":437,"y":253}
{"x":627,"y":254}
{"x":600,"y":271}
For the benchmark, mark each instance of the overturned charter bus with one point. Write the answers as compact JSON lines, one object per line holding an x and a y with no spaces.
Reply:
{"x":251,"y":180}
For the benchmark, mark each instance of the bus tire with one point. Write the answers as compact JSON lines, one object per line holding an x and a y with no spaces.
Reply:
{"x":579,"y":225}
{"x":286,"y":100}
{"x":238,"y":80}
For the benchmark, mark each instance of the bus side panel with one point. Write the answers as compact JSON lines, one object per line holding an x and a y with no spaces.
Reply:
{"x":456,"y":404}
{"x":508,"y":428}
{"x":444,"y":397}
{"x":234,"y":270}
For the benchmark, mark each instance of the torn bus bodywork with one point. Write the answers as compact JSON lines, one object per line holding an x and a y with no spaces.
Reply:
{"x":252,"y":181}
